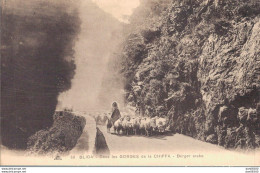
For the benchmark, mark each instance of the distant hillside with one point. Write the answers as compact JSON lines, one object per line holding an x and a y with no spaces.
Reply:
{"x":197,"y":62}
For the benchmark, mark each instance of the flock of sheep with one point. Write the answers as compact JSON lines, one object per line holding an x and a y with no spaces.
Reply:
{"x":138,"y":125}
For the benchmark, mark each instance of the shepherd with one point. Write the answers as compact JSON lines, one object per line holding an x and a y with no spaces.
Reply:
{"x":115,"y":113}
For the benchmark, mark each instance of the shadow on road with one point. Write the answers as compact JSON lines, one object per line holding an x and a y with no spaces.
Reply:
{"x":161,"y":136}
{"x":101,"y":144}
{"x":83,"y":142}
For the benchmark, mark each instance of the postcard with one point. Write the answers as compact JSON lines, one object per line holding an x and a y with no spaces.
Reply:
{"x":130,"y":83}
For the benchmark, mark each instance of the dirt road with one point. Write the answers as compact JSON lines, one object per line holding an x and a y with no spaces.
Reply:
{"x":86,"y":142}
{"x":182,"y":148}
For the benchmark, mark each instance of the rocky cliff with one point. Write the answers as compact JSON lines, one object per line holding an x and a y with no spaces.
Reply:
{"x":197,"y":62}
{"x":37,"y":63}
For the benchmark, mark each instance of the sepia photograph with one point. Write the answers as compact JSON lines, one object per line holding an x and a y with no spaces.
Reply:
{"x":130,"y":83}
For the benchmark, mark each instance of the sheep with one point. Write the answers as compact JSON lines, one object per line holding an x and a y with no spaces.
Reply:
{"x":142,"y":125}
{"x":118,"y":125}
{"x":153,"y":126}
{"x":130,"y":126}
{"x":146,"y":126}
{"x":123,"y":125}
{"x":109,"y":125}
{"x":136,"y":125}
{"x":127,"y":125}
{"x":150,"y":126}
{"x":161,"y":124}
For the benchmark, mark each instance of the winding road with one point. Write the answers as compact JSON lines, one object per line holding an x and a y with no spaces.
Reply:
{"x":86,"y":142}
{"x":182,"y":149}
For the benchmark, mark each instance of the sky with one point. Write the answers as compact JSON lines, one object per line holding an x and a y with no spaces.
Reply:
{"x":120,"y":9}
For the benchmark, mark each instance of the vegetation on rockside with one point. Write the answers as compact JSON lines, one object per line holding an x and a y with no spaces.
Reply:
{"x":61,"y":137}
{"x":195,"y":61}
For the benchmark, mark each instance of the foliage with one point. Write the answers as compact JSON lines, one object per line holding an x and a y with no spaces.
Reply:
{"x":61,"y":137}
{"x":162,"y":65}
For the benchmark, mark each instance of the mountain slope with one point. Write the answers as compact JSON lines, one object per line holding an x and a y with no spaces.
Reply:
{"x":197,"y":63}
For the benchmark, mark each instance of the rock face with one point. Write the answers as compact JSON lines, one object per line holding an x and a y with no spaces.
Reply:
{"x":197,"y":62}
{"x":37,"y":64}
{"x":229,"y":83}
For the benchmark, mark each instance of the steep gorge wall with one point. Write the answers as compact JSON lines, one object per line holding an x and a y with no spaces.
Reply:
{"x":230,"y":83}
{"x":37,"y":63}
{"x":197,"y":62}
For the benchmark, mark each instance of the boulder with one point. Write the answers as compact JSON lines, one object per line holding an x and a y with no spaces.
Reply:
{"x":212,"y":139}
